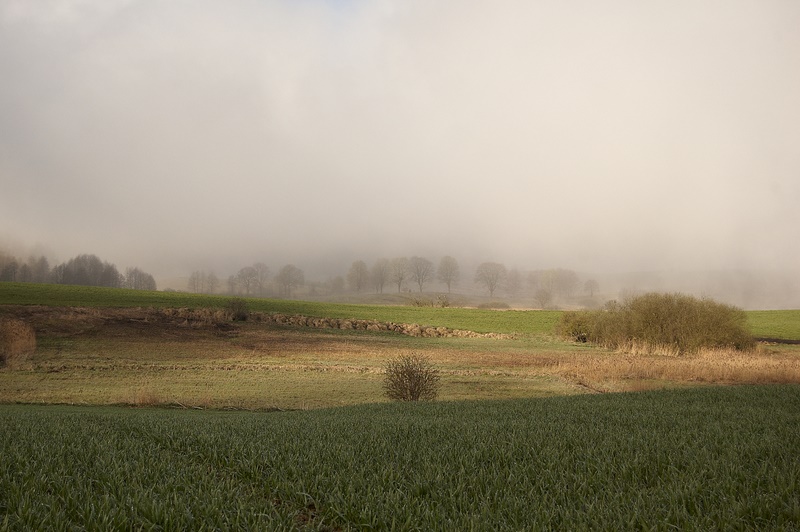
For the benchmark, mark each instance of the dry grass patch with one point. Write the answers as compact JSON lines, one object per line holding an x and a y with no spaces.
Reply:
{"x":162,"y":357}
{"x":17,"y":342}
{"x":628,"y":371}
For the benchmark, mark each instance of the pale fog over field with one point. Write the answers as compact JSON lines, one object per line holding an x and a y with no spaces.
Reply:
{"x":604,"y":136}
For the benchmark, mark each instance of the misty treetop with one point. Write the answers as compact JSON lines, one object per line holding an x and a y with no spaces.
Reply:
{"x":490,"y":275}
{"x":448,"y":272}
{"x":421,"y":270}
{"x":137,"y":279}
{"x":544,"y":288}
{"x":84,"y":270}
{"x":358,"y":276}
{"x":34,"y":270}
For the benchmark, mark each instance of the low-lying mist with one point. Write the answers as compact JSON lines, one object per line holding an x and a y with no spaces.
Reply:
{"x":599,"y":137}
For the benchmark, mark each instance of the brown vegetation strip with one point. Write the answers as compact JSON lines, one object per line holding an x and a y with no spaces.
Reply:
{"x":777,"y":341}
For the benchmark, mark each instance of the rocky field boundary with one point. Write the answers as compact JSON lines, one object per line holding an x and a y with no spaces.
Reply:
{"x":80,"y":319}
{"x":409,"y":329}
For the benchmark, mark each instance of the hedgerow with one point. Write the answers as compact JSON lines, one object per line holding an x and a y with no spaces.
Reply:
{"x":655,"y":321}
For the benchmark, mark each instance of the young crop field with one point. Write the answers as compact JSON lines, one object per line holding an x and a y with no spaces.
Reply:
{"x":497,"y":451}
{"x":708,"y":458}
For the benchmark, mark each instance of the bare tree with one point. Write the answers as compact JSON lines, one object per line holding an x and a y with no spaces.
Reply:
{"x":513,"y":282}
{"x":201,"y":282}
{"x":212,"y":283}
{"x":56,"y":274}
{"x":399,"y":272}
{"x":233,"y":284}
{"x":289,"y":278}
{"x":558,"y":281}
{"x":9,"y":268}
{"x":543,"y":297}
{"x":138,"y":280}
{"x":246,"y":278}
{"x":358,"y":275}
{"x":379,"y":274}
{"x":40,"y":269}
{"x":24,"y":275}
{"x":262,"y":276}
{"x":490,"y":275}
{"x":591,"y":286}
{"x":335,"y":285}
{"x":421,"y":270}
{"x":448,"y":271}
{"x":196,"y":282}
{"x":547,"y":280}
{"x":89,"y":270}
{"x":534,"y":280}
{"x":565,"y":282}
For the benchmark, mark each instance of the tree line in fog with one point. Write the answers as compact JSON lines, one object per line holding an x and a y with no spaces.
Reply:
{"x":400,"y":274}
{"x":85,"y":270}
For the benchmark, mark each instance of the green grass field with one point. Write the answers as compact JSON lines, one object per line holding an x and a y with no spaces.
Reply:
{"x":133,"y":347}
{"x":701,"y":459}
{"x":498,"y":452}
{"x":478,"y":320}
{"x":783,"y":324}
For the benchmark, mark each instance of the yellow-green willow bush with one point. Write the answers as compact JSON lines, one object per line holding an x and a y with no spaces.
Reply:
{"x":674,"y":322}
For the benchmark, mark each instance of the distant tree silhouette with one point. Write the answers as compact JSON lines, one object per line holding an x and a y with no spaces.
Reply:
{"x":421,"y":270}
{"x":490,"y":275}
{"x":358,"y":275}
{"x":88,"y":270}
{"x":379,"y":274}
{"x":398,"y":272}
{"x":448,"y":271}
{"x":289,"y":278}
{"x":138,"y":280}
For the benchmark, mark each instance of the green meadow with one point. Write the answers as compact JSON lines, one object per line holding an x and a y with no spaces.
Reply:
{"x":782,"y":324}
{"x":699,"y":459}
{"x":137,"y":412}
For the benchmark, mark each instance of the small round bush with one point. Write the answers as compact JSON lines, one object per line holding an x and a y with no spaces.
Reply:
{"x":411,"y":378}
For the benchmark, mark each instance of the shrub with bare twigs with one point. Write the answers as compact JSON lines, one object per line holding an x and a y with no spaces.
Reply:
{"x":654,"y":322}
{"x":411,"y":378}
{"x":238,"y":309}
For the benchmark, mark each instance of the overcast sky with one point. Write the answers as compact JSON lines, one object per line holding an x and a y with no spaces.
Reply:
{"x":593,"y":135}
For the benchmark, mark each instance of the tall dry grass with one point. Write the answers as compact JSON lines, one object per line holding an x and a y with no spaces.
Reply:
{"x":627,"y":370}
{"x":17,"y":342}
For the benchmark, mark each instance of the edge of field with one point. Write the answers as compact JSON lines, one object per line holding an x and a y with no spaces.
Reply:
{"x":774,"y":324}
{"x":477,"y":320}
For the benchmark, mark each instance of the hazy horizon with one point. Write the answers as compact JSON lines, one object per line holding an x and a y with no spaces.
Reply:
{"x":613,"y":136}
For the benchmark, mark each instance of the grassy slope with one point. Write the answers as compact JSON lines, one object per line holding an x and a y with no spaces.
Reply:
{"x":711,"y":458}
{"x":526,"y":322}
{"x":765,"y":323}
{"x":783,"y":324}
